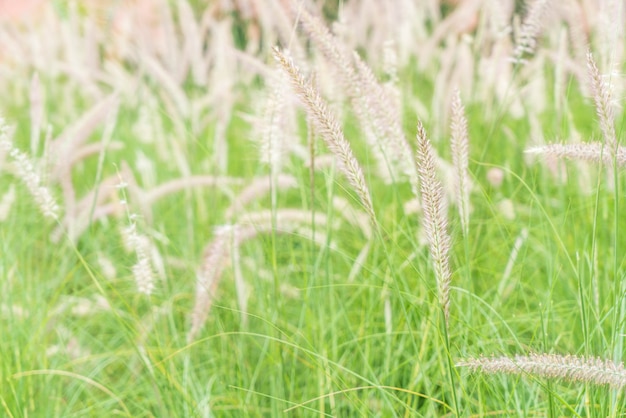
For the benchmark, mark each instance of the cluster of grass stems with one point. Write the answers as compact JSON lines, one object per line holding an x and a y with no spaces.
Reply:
{"x":214,"y":211}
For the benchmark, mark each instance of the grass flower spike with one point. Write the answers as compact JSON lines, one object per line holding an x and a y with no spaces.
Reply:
{"x":601,"y":91}
{"x":552,"y":366}
{"x":526,"y":42}
{"x":330,"y":131}
{"x":26,"y":171}
{"x":595,"y":152}
{"x":435,"y":222}
{"x":460,"y":159}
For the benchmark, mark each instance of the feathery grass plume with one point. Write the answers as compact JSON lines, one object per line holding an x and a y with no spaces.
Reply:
{"x":378,"y":113}
{"x":332,"y":49}
{"x":553,"y":366}
{"x":341,"y":58}
{"x":593,"y":152}
{"x":72,"y":139}
{"x":460,"y":158}
{"x":498,"y":15}
{"x":142,"y":269}
{"x":141,"y":245}
{"x":505,"y":287}
{"x":601,"y":91}
{"x":609,"y":32}
{"x":272,"y":143}
{"x":219,"y":252}
{"x":330,"y":131}
{"x":193,"y":43}
{"x":62,"y":152}
{"x":208,"y":278}
{"x":573,"y":15}
{"x":435,"y":222}
{"x":526,"y":39}
{"x":26,"y":171}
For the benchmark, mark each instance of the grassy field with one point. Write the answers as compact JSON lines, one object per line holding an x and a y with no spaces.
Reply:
{"x":224,"y":212}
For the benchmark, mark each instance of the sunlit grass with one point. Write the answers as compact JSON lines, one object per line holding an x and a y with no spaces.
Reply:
{"x":326,"y":319}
